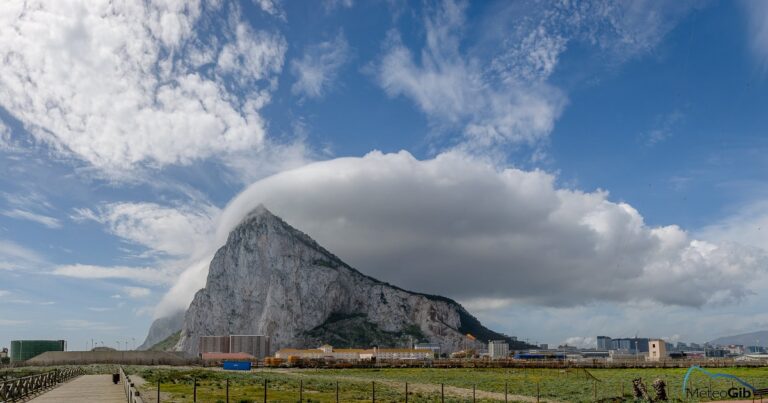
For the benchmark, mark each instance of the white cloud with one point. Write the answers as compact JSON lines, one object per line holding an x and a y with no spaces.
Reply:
{"x":757,"y":16}
{"x":4,"y":293}
{"x":49,"y":222}
{"x":101,"y":80}
{"x":453,"y":89}
{"x":318,"y":67}
{"x":271,"y":7}
{"x":99,"y":309}
{"x":138,"y":274}
{"x":136,"y":292}
{"x":449,"y":224}
{"x":177,"y":231}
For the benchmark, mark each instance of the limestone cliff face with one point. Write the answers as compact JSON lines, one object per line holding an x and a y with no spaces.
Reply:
{"x":272,"y":279}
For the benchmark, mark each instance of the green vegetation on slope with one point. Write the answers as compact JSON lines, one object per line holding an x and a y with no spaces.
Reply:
{"x":354,"y":330}
{"x":168,"y":343}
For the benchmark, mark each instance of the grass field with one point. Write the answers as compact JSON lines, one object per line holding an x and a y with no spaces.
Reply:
{"x":319,"y":385}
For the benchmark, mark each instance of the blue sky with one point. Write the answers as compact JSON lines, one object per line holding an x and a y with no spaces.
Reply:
{"x":604,"y":161}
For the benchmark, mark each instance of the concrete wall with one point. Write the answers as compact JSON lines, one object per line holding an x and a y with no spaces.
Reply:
{"x":112,"y":357}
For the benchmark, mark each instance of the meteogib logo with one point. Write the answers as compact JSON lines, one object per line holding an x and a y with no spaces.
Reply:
{"x":744,"y":391}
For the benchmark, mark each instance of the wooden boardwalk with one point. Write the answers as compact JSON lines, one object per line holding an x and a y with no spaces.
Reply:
{"x":86,"y":388}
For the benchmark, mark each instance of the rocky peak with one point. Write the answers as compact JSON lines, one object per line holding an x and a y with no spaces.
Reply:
{"x":270,"y":278}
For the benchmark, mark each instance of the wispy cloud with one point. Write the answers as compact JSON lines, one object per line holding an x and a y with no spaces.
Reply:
{"x":138,"y":274}
{"x":497,"y":91}
{"x":12,"y":322}
{"x":757,"y":16}
{"x":82,"y":324}
{"x":136,"y":292}
{"x":49,"y":222}
{"x":181,"y":230}
{"x":318,"y":68}
{"x":664,"y":128}
{"x":15,"y":257}
{"x":453,"y":89}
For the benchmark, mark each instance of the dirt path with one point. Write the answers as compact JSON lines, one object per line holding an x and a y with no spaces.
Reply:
{"x":453,"y":391}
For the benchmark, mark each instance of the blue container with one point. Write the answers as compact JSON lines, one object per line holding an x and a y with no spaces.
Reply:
{"x":237,"y":365}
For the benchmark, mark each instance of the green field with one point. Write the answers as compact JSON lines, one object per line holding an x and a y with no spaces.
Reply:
{"x":319,"y":385}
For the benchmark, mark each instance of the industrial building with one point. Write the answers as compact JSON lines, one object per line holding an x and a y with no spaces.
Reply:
{"x":498,"y":349}
{"x":255,"y":345}
{"x":429,"y":346}
{"x":22,"y":350}
{"x":355,"y":354}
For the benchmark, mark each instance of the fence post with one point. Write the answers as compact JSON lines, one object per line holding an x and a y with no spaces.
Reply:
{"x":194,"y":389}
{"x":406,"y":392}
{"x":538,"y":392}
{"x":506,"y":391}
{"x":265,"y":390}
{"x":301,"y":391}
{"x":442,"y":393}
{"x":473,"y":393}
{"x":337,"y":391}
{"x":227,"y":390}
{"x":594,"y":389}
{"x":373,"y":391}
{"x":158,"y":391}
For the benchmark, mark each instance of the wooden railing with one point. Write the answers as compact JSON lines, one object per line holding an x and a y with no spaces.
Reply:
{"x":132,"y":394}
{"x":21,"y":388}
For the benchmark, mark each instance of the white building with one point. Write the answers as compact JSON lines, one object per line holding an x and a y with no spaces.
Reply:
{"x":354,"y":354}
{"x":498,"y":349}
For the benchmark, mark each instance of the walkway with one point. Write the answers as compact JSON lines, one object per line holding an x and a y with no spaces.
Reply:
{"x":86,"y":388}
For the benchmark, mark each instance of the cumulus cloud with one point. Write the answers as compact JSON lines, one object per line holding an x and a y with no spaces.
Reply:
{"x":176,"y":231}
{"x":318,"y":67}
{"x":102,"y":80}
{"x":462,"y":228}
{"x":45,"y":220}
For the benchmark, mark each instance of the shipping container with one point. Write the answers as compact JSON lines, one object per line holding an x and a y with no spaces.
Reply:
{"x":22,"y":350}
{"x":237,"y":365}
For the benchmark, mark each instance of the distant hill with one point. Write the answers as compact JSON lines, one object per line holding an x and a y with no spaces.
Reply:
{"x":162,"y":328}
{"x":747,"y":339}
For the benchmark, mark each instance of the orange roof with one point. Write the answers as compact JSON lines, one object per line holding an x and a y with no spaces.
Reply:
{"x":227,"y":356}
